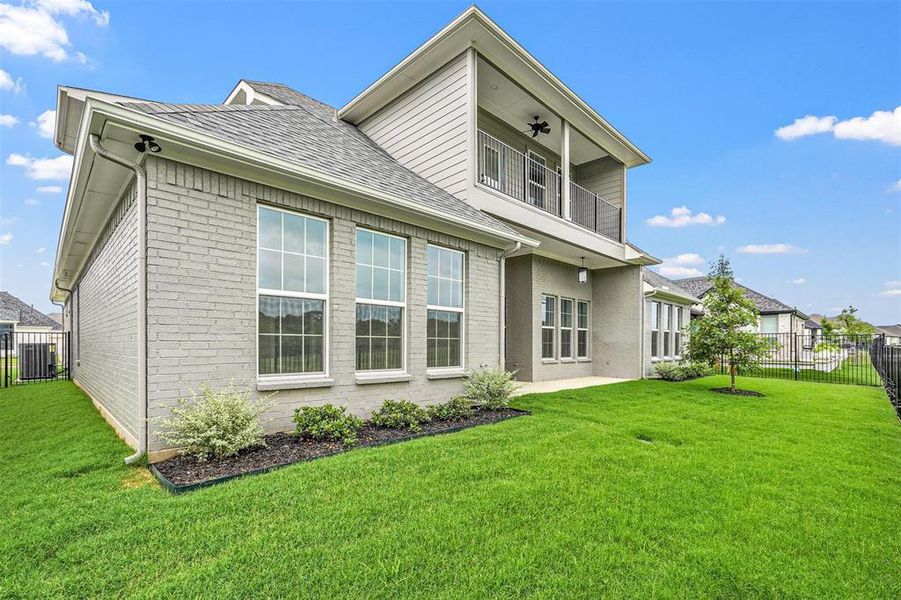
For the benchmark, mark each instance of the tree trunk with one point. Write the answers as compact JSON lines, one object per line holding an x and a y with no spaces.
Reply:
{"x":732,"y":371}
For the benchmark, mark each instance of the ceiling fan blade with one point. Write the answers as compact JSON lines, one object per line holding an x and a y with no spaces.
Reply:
{"x":546,"y":130}
{"x":535,"y":133}
{"x":543,"y":125}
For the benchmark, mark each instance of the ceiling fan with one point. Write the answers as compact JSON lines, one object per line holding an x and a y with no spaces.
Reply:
{"x":537,"y":127}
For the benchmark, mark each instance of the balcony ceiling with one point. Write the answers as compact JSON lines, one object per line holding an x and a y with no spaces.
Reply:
{"x":507,"y":101}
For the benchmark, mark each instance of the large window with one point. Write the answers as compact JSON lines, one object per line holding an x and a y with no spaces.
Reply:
{"x":292,"y":287}
{"x":444,"y":325}
{"x":655,"y":329}
{"x":582,"y":330}
{"x":381,"y":300}
{"x":769,"y":324}
{"x":667,"y":317}
{"x":677,"y":333}
{"x":548,"y":326}
{"x":566,"y":328}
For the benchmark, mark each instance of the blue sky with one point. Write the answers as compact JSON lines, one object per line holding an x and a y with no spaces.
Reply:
{"x":811,"y":218}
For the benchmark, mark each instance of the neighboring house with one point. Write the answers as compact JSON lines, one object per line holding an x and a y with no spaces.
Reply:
{"x":775,"y":317}
{"x":383,"y":249}
{"x":21,"y":321}
{"x":56,"y":316}
{"x":812,"y":333}
{"x":667,"y":314}
{"x":892,"y":333}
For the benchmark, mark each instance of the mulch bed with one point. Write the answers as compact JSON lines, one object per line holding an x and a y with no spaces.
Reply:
{"x":737,"y":392}
{"x":183,"y":473}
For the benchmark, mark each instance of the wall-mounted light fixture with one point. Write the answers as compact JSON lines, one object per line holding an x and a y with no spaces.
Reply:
{"x":583,"y":272}
{"x":146,"y":144}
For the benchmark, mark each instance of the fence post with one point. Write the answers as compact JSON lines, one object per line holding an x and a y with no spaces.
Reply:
{"x":795,"y":354}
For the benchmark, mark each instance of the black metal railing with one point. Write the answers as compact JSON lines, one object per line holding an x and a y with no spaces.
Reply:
{"x":886,"y":360}
{"x":32,"y":357}
{"x":844,"y":359}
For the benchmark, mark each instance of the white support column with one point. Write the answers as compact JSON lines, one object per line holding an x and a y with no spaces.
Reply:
{"x":564,"y":172}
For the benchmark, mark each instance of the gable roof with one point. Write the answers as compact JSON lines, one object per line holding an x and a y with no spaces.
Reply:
{"x":305,"y":131}
{"x":668,"y":286}
{"x":891,"y":330}
{"x":13,"y":309}
{"x":811,"y":324}
{"x":699,"y":286}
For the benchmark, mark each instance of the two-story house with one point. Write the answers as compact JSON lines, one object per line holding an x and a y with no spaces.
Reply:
{"x":466,"y":209}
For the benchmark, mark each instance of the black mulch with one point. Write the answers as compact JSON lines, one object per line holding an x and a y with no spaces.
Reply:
{"x":284,"y":448}
{"x":737,"y":392}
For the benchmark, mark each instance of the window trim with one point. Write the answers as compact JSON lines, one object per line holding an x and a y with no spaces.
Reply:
{"x":586,"y":329}
{"x":552,"y":327}
{"x":461,"y":310}
{"x":538,"y":159}
{"x":655,"y":328}
{"x":287,"y":378}
{"x":667,"y":329}
{"x":677,"y":331}
{"x":571,"y":329}
{"x":361,"y":374}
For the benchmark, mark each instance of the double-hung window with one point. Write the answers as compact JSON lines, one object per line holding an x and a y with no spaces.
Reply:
{"x":667,"y":345}
{"x":381,"y":301}
{"x":292,"y":291}
{"x":582,"y":330}
{"x":769,"y":324}
{"x":566,"y":328}
{"x":548,"y":326}
{"x":655,"y":329}
{"x":444,"y":323}
{"x":677,"y":333}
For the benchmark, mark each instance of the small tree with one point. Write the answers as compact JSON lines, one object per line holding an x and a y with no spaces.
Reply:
{"x":848,"y":324}
{"x":727,"y":329}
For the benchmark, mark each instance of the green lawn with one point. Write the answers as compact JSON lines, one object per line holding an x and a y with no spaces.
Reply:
{"x":637,"y":489}
{"x":854,"y":370}
{"x":13,"y":363}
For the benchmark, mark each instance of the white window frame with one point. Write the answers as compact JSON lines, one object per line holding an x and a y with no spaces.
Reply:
{"x":402,"y":305}
{"x":586,"y":329}
{"x":571,"y":329}
{"x":487,"y":150}
{"x":461,"y":310}
{"x":655,"y":328}
{"x":677,"y":331}
{"x":542,"y":161}
{"x":552,"y":327}
{"x":667,"y":329}
{"x":278,"y":377}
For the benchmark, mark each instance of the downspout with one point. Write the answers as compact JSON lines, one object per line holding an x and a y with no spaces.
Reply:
{"x":502,"y":342}
{"x":141,"y":185}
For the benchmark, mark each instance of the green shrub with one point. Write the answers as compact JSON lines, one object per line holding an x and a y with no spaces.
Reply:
{"x":458,"y":408}
{"x":400,"y":414}
{"x":681,"y":371}
{"x":491,"y":387}
{"x":327,"y":422}
{"x":826,"y":347}
{"x":215,"y":424}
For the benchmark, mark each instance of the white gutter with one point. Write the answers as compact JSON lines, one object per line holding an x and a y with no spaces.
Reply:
{"x":502,"y":320}
{"x":141,"y":185}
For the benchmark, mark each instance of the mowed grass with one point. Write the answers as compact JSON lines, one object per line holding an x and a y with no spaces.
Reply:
{"x":854,"y":370}
{"x":642,"y":489}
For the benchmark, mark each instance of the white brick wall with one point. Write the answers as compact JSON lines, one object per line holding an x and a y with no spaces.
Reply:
{"x":202,"y":294}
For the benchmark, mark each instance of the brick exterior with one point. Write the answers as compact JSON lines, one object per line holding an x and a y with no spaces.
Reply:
{"x":648,"y":362}
{"x":617,"y":323}
{"x":202,"y":295}
{"x":102,"y":315}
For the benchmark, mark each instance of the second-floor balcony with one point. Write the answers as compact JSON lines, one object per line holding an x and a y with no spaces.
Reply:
{"x":528,"y":178}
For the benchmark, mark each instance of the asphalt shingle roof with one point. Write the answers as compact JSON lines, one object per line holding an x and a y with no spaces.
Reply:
{"x":13,"y":309}
{"x":892,"y":330}
{"x":307,"y":132}
{"x":699,"y":286}
{"x":659,"y":281}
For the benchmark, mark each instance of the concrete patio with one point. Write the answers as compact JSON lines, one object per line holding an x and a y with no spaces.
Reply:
{"x":541,"y":387}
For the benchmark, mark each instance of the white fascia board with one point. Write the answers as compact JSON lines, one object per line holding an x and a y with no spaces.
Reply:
{"x":252,"y":94}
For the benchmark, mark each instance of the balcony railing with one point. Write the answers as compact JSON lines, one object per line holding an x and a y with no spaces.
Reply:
{"x":528,"y":179}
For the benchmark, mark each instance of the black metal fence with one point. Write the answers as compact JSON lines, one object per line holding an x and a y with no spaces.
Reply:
{"x":842,"y":359}
{"x":887,"y":362}
{"x":31,"y":357}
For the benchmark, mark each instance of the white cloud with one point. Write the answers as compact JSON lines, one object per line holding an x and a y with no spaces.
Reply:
{"x":9,"y":220}
{"x":7,"y":82}
{"x":682,"y":265}
{"x":50,"y":189}
{"x":32,"y":202}
{"x":42,"y":168}
{"x":681,"y":216}
{"x":893,"y":283}
{"x":44,"y":263}
{"x":40,"y":250}
{"x":798,"y":281}
{"x":771,"y":249}
{"x":882,"y":126}
{"x":34,"y":28}
{"x":8,"y":120}
{"x":5,"y":239}
{"x":896,"y":187}
{"x":891,"y":293}
{"x":46,"y":123}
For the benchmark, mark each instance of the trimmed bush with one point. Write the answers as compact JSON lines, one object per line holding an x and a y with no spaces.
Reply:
{"x":682,"y":371}
{"x":327,"y":422}
{"x":491,"y":387}
{"x":458,"y":408}
{"x":215,"y":424}
{"x":400,"y":414}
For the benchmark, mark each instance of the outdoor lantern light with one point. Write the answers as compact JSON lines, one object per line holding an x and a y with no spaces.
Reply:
{"x":583,"y":272}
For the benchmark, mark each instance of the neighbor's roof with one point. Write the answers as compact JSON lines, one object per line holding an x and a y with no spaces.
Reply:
{"x":13,"y":309}
{"x":811,"y":324}
{"x":699,"y":286}
{"x":659,"y":282}
{"x":892,"y":330}
{"x":306,"y":131}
